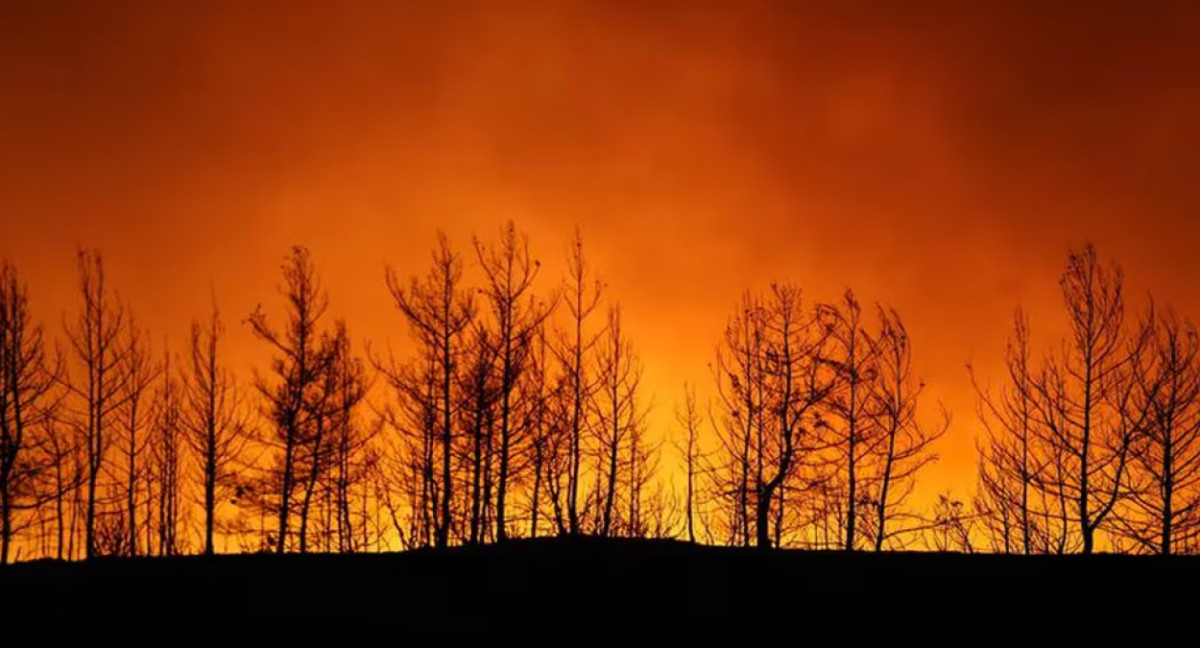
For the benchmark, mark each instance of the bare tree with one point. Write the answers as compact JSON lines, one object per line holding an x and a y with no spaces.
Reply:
{"x":213,"y":420}
{"x":300,"y":363}
{"x":739,"y":377}
{"x":556,"y":463}
{"x":413,"y":414}
{"x":28,"y":404}
{"x":905,"y":445}
{"x":853,"y":353}
{"x":439,"y":312}
{"x":510,"y":272}
{"x":1162,"y":514}
{"x":315,"y":455}
{"x":951,"y":526}
{"x":333,"y":410}
{"x":538,"y":396}
{"x":478,"y":389}
{"x":581,"y":296}
{"x":140,"y":372}
{"x":1085,"y":395}
{"x":63,"y":450}
{"x":96,"y":339}
{"x":617,"y":414}
{"x":1008,"y":459}
{"x":771,"y":377}
{"x":646,"y":510}
{"x":166,"y":459}
{"x":689,"y":419}
{"x":350,"y":440}
{"x":797,"y":383}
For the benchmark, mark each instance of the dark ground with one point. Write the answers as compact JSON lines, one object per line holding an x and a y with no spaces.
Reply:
{"x":573,"y":591}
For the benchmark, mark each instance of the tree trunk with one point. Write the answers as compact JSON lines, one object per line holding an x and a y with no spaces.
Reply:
{"x":210,"y":497}
{"x":762,"y":514}
{"x":485,"y":529}
{"x":1168,"y":493}
{"x":505,"y":433}
{"x":443,"y":530}
{"x":5,"y":520}
{"x":1084,"y":520}
{"x":576,"y":425}
{"x":131,"y":491}
{"x":90,"y":529}
{"x":476,"y":476}
{"x":881,"y":520}
{"x":851,"y":475}
{"x":210,"y":469}
{"x":537,"y":483}
{"x":691,"y":471}
{"x":1025,"y":528}
{"x":58,"y":506}
{"x":309,"y":489}
{"x":286,"y":496}
{"x":610,"y":492}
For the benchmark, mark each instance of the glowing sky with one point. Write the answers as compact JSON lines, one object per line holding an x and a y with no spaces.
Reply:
{"x":938,"y":156}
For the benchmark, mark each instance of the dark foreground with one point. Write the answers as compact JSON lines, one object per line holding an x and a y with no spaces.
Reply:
{"x":537,"y":590}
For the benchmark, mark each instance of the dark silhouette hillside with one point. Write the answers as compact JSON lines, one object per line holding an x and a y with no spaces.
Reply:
{"x":584,"y":586}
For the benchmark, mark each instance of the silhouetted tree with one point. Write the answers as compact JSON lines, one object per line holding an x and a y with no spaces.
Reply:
{"x":298,"y":367}
{"x":904,"y":446}
{"x":1163,"y":510}
{"x":316,"y":453}
{"x":478,"y":389}
{"x":63,"y":450}
{"x":140,"y":372}
{"x":100,"y":351}
{"x":1009,"y":463}
{"x":349,"y":442}
{"x":213,"y":421}
{"x":581,"y":297}
{"x":413,"y":414}
{"x":166,"y":453}
{"x":1086,"y":395}
{"x":28,"y":404}
{"x":853,"y":354}
{"x":689,"y":419}
{"x":617,"y":415}
{"x":558,"y":442}
{"x":950,"y":529}
{"x":538,"y":396}
{"x":112,"y":532}
{"x":739,"y":381}
{"x":641,"y":464}
{"x":509,"y":273}
{"x":438,"y":312}
{"x":335,"y":442}
{"x":771,"y":377}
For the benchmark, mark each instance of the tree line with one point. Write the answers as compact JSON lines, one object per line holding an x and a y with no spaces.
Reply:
{"x":1097,"y":438}
{"x":517,"y":410}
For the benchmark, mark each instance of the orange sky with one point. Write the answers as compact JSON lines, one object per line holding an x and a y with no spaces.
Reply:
{"x":938,"y":156}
